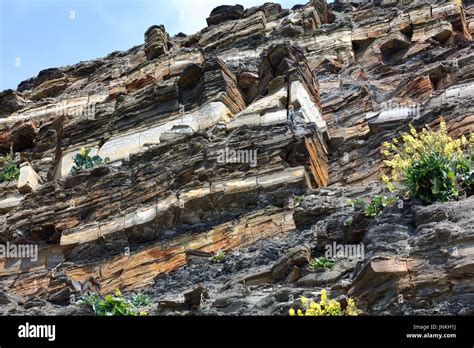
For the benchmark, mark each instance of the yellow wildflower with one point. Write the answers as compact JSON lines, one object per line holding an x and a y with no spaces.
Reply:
{"x":326,"y":307}
{"x":324,"y":295}
{"x":442,"y":125}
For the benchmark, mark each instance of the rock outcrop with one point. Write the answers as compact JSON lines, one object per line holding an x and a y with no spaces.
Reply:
{"x":224,"y":13}
{"x":156,"y":41}
{"x":249,"y":136}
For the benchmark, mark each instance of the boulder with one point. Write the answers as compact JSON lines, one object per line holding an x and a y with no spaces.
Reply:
{"x":319,"y":279}
{"x":190,"y":299}
{"x":28,"y":180}
{"x":298,"y":256}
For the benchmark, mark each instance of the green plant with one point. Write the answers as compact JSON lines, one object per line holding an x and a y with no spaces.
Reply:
{"x":297,"y":200}
{"x":432,"y":178}
{"x":374,"y":207}
{"x":112,"y":305}
{"x":325,"y":307}
{"x":217,"y":257}
{"x":466,"y":173}
{"x":322,"y":262}
{"x":357,"y":202}
{"x":10,"y":170}
{"x":378,"y":203}
{"x":83,"y":160}
{"x":429,"y":165}
{"x":90,"y":299}
{"x":349,"y":221}
{"x":139,"y":300}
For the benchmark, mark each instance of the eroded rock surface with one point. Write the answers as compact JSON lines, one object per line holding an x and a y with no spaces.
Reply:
{"x":249,"y":136}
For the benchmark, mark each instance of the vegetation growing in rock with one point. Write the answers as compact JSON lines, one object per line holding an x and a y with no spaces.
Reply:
{"x":217,"y":257}
{"x":429,"y":164}
{"x":83,"y":161}
{"x":378,"y":203}
{"x":322,"y":262}
{"x":357,"y":202}
{"x":10,"y":170}
{"x":297,"y":200}
{"x":325,"y":307}
{"x":116,"y":305}
{"x":140,"y":300}
{"x":349,"y":221}
{"x":375,"y":206}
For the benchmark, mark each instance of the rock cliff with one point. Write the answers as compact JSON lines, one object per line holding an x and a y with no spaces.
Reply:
{"x":249,"y":136}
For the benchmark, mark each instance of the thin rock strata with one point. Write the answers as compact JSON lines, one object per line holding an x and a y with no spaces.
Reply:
{"x":249,"y":137}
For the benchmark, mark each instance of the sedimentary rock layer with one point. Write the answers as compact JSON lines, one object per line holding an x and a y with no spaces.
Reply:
{"x":213,"y":138}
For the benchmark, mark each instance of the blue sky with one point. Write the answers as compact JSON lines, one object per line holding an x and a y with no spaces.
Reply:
{"x":41,"y":34}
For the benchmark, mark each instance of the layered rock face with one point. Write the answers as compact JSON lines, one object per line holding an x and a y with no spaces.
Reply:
{"x":211,"y":136}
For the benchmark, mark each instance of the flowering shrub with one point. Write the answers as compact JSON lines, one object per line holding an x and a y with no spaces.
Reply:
{"x":325,"y":307}
{"x":83,"y":160}
{"x":112,"y":305}
{"x":429,"y":165}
